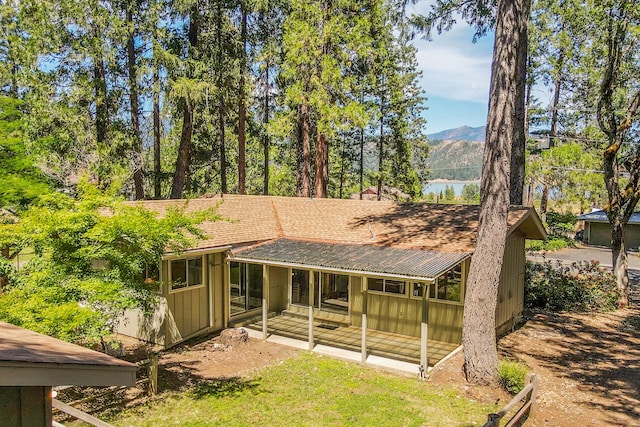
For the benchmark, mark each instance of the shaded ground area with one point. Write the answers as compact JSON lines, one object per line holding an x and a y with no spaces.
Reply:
{"x":588,"y":366}
{"x":197,"y":365}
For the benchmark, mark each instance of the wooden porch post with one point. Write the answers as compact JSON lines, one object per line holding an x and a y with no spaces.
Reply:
{"x":424,"y":329}
{"x":226,"y":290}
{"x":265,"y":301}
{"x":311,"y":296}
{"x":363,"y":287}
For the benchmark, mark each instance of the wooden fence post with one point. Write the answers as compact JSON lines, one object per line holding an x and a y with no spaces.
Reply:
{"x":493,"y":420}
{"x":153,"y":373}
{"x":533,"y":380}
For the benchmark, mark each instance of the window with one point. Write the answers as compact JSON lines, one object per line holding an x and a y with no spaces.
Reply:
{"x":334,"y":293}
{"x":245,"y":287}
{"x":417,"y":289}
{"x":330,"y":291}
{"x":185,"y":273}
{"x":299,"y":287}
{"x":450,"y":285}
{"x":386,"y":285}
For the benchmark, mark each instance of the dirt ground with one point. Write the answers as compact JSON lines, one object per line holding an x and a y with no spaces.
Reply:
{"x":207,"y":359}
{"x":588,"y":366}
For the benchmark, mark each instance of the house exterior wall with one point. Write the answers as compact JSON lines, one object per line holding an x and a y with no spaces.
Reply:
{"x":182,"y":313}
{"x":599,"y":234}
{"x":25,"y":406}
{"x":278,"y":288}
{"x":511,"y":288}
{"x":403,"y":314}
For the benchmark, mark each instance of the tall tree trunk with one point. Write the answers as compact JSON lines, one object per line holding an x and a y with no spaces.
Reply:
{"x":183,"y":160}
{"x":157,"y":165}
{"x":221,"y":104}
{"x":223,"y":148}
{"x":516,"y":186}
{"x":322,"y":165}
{"x":184,"y":152}
{"x":242,"y":108}
{"x":265,"y":136}
{"x":361,"y":162}
{"x":380,"y":152}
{"x":622,"y":201}
{"x":342,"y":166}
{"x":304,"y":169}
{"x":322,"y":141}
{"x":101,"y":101}
{"x":544,"y":200}
{"x":479,"y":324}
{"x":134,"y":105}
{"x":620,"y":262}
{"x":4,"y":279}
{"x":556,"y":101}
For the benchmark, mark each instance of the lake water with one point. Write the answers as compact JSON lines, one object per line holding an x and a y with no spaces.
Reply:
{"x":436,"y":187}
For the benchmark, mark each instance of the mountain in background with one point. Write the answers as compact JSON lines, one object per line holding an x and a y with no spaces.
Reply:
{"x":456,"y":154}
{"x":463,"y":133}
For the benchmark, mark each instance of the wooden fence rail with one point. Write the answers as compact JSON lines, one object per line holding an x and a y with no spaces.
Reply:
{"x":76,"y":413}
{"x":152,"y":388}
{"x":527,"y":397}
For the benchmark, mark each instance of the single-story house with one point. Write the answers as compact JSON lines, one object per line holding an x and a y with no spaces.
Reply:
{"x":382,"y":269}
{"x":31,"y":363}
{"x":597,"y":230}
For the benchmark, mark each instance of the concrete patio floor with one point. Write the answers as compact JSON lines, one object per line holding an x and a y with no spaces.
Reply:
{"x":400,"y":351}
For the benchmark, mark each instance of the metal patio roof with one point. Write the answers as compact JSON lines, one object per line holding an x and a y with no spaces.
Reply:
{"x":378,"y":260}
{"x":601,"y":216}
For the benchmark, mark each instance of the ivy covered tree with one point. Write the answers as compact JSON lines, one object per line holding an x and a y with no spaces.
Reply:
{"x":90,"y":259}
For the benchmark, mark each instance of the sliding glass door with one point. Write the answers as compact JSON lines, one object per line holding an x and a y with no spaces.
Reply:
{"x":245,"y":287}
{"x":331,"y":291}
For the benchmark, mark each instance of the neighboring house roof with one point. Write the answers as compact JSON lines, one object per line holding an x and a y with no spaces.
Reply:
{"x":412,"y":263}
{"x":387,"y":193}
{"x":254,"y":219}
{"x":28,"y":358}
{"x":601,"y":216}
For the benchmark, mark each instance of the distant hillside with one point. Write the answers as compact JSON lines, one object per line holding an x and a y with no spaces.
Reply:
{"x":455,"y":160}
{"x":463,"y":133}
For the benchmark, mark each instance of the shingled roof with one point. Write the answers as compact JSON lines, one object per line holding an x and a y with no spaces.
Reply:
{"x":255,"y":219}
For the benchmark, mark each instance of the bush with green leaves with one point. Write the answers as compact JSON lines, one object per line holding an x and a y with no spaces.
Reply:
{"x":512,"y":375}
{"x":62,"y":291}
{"x":581,"y":286}
{"x":561,"y":224}
{"x":561,"y":232}
{"x":551,"y":244}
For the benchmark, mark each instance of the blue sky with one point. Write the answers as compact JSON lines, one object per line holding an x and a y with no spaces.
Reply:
{"x":455,"y":76}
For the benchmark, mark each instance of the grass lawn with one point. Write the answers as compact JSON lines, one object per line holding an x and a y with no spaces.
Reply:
{"x":310,"y":390}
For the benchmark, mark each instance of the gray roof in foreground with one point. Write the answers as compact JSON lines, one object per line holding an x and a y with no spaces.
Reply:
{"x":602,"y":216}
{"x":379,"y":260}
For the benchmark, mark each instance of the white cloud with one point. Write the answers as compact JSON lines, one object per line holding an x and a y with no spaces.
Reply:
{"x":453,"y":67}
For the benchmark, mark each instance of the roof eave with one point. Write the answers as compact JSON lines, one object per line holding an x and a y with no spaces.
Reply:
{"x":14,"y":373}
{"x":531,"y":225}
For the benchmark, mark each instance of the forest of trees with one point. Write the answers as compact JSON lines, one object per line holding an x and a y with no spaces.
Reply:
{"x":181,"y":99}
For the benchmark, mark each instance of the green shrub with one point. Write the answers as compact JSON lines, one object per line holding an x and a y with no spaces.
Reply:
{"x":561,"y":225}
{"x":551,"y":244}
{"x":581,"y":286}
{"x":512,"y":375}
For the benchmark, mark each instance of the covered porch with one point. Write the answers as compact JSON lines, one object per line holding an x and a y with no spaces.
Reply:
{"x":378,"y":343}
